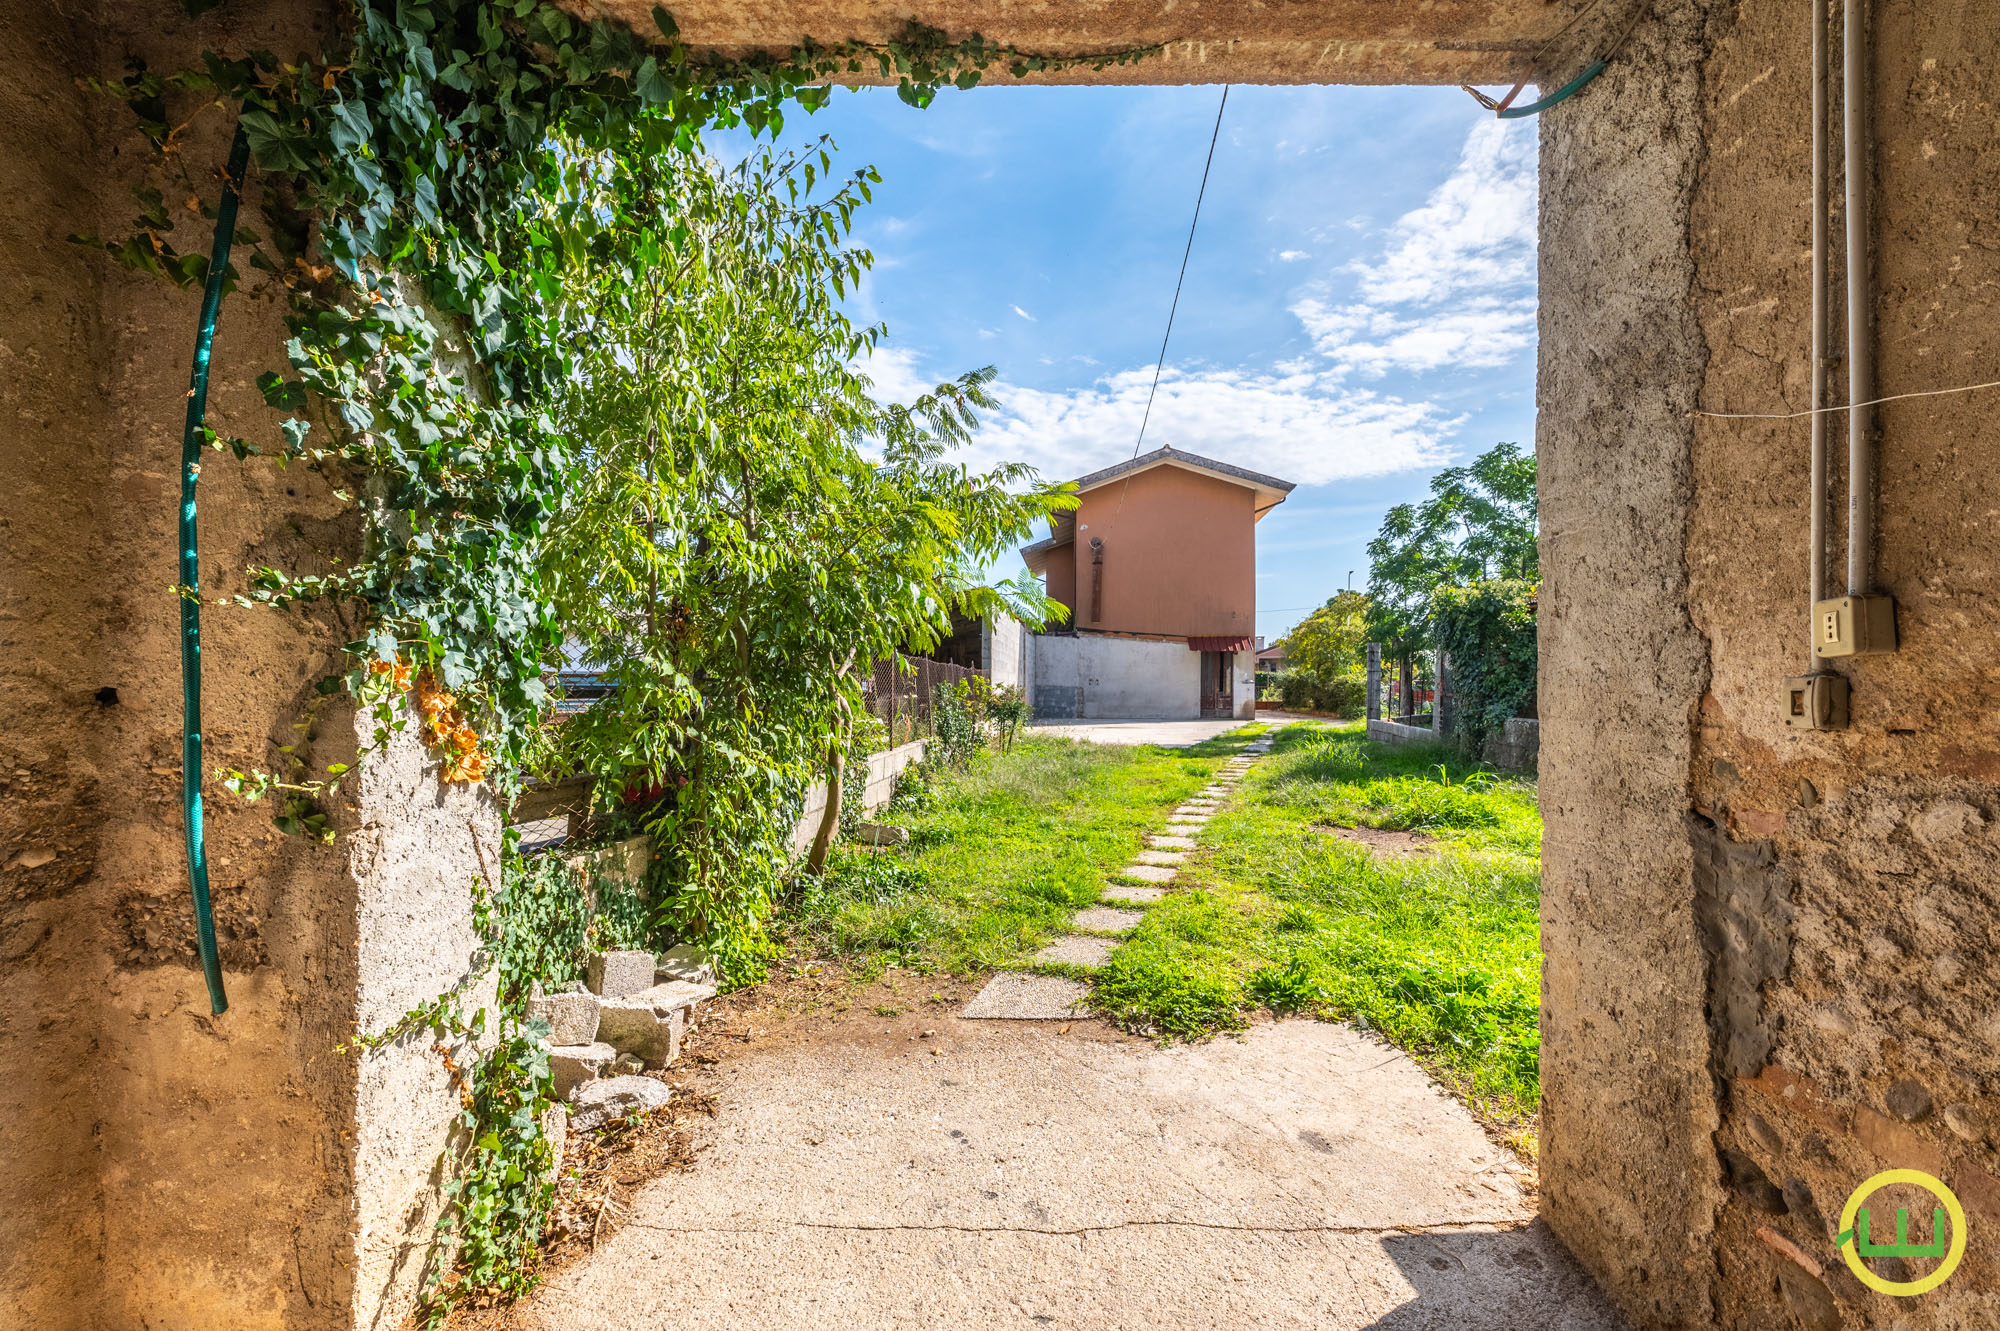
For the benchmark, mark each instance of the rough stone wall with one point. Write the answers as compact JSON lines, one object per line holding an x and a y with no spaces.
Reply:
{"x":168,"y":1168}
{"x":1768,"y":969}
{"x":1628,"y":1169}
{"x":1855,"y":1007}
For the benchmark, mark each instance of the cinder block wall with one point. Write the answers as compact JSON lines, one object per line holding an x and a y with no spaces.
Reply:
{"x":1769,"y":965}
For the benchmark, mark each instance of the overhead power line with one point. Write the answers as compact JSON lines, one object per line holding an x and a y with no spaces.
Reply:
{"x":1192,"y":224}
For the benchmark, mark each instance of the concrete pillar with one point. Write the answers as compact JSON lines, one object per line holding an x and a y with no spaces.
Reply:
{"x":1374,"y":681}
{"x":1442,"y":703}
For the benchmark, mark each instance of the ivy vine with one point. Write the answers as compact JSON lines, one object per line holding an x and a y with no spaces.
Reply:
{"x":417,"y":178}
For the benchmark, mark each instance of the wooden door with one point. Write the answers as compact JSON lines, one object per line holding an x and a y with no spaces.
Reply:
{"x":1218,"y":685}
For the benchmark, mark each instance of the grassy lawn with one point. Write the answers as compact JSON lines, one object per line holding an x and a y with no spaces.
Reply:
{"x":1437,"y":951}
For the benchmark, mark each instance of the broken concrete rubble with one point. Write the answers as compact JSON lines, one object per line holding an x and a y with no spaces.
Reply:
{"x":601,"y":1102}
{"x":574,"y":1064}
{"x":631,"y":1026}
{"x":571,"y":1018}
{"x":685,"y":961}
{"x":616,"y":974}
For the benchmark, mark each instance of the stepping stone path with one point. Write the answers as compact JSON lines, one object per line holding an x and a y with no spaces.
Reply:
{"x":1021,"y":996}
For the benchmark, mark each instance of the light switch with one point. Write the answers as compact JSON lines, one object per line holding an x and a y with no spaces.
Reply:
{"x":1816,"y":702}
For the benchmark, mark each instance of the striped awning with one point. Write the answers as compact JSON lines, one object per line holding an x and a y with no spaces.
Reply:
{"x":1219,"y":644}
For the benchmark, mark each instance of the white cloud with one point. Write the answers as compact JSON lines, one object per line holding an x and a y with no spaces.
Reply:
{"x":1292,"y":256}
{"x":1025,"y":315}
{"x":1303,"y":427}
{"x":1454,"y":284}
{"x":989,"y":332}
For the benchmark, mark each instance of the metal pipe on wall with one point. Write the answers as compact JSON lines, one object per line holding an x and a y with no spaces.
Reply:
{"x":1822,"y":18}
{"x":1860,"y":304}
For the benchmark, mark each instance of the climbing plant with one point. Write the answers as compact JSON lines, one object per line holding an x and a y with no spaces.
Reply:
{"x":429,"y":187}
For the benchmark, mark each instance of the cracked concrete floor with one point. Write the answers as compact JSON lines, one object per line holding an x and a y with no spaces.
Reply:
{"x":1021,"y":1176}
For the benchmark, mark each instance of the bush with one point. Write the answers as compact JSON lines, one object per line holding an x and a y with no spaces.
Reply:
{"x":1489,"y":630}
{"x":1343,"y":695}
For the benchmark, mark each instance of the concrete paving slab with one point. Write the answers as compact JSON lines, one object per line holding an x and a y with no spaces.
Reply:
{"x":1161,"y":857}
{"x":1128,"y":892}
{"x":1180,"y":820}
{"x":1170,"y":842}
{"x":1105,"y":919}
{"x":1148,"y":873}
{"x":1078,"y":950}
{"x":1303,"y":1175}
{"x":1167,"y":734}
{"x":1013,"y":996}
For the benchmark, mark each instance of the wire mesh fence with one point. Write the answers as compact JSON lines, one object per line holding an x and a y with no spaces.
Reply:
{"x":900,"y":692}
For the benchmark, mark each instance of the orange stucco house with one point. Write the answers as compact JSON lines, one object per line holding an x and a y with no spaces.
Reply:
{"x":1158,"y":566}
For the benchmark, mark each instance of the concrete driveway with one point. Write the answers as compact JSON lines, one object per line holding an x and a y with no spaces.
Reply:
{"x":1009,"y":1175}
{"x":1171,"y":734}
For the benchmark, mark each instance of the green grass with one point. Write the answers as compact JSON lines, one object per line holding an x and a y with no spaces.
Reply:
{"x":1006,"y":854}
{"x":1439,"y":953}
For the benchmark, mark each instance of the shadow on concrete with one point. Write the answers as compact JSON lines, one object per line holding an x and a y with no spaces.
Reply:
{"x":1518,"y":1279}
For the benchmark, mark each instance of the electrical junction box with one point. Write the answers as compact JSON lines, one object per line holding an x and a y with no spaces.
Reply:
{"x":1854,"y":626}
{"x":1816,"y":702}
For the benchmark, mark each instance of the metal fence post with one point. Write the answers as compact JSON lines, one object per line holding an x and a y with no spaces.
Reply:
{"x":1374,"y":681}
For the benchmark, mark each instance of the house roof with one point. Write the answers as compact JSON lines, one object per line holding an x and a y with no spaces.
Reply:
{"x":1269,"y":492}
{"x":1275,"y":652}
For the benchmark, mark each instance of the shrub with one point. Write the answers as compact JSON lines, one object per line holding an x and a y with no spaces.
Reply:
{"x":1489,"y":630}
{"x":1343,"y":695}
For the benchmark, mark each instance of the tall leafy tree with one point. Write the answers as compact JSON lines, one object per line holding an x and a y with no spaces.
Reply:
{"x":1478,"y":523}
{"x":1330,"y":642}
{"x":747,"y":528}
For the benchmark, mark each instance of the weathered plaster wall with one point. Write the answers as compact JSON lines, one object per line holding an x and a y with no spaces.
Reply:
{"x":1180,"y":555}
{"x":1769,"y":952}
{"x":1204,"y":41}
{"x":1628,"y":1171}
{"x":1864,"y":864}
{"x":167,"y":1168}
{"x":1116,"y":679}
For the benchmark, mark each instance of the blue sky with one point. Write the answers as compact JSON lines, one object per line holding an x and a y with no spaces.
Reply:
{"x":1359,"y":307}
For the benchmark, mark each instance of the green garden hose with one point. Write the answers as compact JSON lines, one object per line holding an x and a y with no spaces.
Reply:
{"x":1562,"y":94}
{"x":191,"y":442}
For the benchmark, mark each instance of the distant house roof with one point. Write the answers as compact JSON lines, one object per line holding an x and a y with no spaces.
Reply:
{"x":1275,"y":652}
{"x":1269,"y":492}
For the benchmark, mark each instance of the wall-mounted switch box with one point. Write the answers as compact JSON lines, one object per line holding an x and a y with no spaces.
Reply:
{"x":1816,"y":702}
{"x":1854,"y":626}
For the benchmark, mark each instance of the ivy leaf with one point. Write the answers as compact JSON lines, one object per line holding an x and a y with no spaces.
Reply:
{"x":665,"y":22}
{"x":652,"y":85}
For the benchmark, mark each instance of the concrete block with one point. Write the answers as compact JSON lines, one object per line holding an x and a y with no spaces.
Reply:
{"x":1131,"y":895}
{"x":622,"y":863}
{"x":1078,"y":950}
{"x":675,"y":995}
{"x":572,"y":1018}
{"x":602,"y":1102}
{"x":1148,"y":873}
{"x":686,"y":962}
{"x":1171,"y":842}
{"x":616,"y":974}
{"x":631,"y":1025}
{"x":555,"y":1126}
{"x":1012,"y":996}
{"x":572,"y":1065}
{"x":881,"y":834}
{"x":1161,"y":856}
{"x":1107,"y":919}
